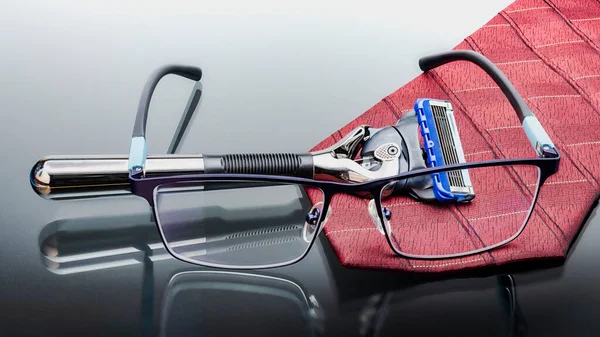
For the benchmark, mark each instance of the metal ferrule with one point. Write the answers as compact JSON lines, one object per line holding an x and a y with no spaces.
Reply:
{"x":539,"y":139}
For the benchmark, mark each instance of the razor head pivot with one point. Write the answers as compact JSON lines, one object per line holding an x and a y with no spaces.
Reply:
{"x":383,"y":145}
{"x":353,"y":160}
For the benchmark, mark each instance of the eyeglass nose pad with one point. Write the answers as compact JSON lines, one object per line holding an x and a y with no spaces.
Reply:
{"x":377,"y":220}
{"x":312,"y":220}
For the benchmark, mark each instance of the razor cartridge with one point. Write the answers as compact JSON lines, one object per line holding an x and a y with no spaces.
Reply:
{"x":442,"y":146}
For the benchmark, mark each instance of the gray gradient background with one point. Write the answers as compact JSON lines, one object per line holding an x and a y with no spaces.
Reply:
{"x":278,"y":75}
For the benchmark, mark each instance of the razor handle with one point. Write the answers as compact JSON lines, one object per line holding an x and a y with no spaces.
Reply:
{"x":60,"y":177}
{"x":287,"y":164}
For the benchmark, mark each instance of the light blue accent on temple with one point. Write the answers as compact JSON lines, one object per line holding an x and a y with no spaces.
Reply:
{"x":536,"y":133}
{"x":137,"y":152}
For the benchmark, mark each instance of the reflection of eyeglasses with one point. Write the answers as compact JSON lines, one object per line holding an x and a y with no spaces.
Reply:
{"x":260,"y":221}
{"x":388,"y":311}
{"x":199,"y":302}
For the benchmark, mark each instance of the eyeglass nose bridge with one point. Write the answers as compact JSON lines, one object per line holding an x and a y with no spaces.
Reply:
{"x":377,"y":220}
{"x":312,"y":221}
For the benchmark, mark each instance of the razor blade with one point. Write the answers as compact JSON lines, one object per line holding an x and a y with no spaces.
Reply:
{"x":442,"y":146}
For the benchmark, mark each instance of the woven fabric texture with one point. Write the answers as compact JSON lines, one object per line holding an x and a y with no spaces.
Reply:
{"x":549,"y":49}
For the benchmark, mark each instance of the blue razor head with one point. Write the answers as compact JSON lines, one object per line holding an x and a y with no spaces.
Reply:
{"x":443,"y":147}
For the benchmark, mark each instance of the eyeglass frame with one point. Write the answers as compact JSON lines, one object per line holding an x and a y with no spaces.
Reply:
{"x":146,"y":187}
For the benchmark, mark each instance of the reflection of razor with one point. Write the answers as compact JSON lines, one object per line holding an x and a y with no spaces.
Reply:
{"x":240,"y":242}
{"x":85,"y":244}
{"x":69,"y":252}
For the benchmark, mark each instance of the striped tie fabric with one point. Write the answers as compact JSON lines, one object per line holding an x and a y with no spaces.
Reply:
{"x":550,"y":51}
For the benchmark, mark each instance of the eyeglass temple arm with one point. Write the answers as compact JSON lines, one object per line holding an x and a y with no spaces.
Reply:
{"x":536,"y":134}
{"x":188,"y":113}
{"x":137,"y":154}
{"x":300,"y":165}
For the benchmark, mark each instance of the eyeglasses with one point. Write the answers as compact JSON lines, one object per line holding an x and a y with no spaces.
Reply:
{"x":244,"y":221}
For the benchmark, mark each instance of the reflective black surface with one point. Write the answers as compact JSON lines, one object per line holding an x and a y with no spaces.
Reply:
{"x":70,"y":85}
{"x":110,"y":276}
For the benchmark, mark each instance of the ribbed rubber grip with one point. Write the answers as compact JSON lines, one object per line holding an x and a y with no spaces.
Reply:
{"x":275,"y":164}
{"x":289,"y":164}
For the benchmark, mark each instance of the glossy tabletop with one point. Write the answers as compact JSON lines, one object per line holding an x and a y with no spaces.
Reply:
{"x":276,"y":78}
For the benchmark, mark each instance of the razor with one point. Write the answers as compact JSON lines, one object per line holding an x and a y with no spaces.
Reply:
{"x":365,"y":153}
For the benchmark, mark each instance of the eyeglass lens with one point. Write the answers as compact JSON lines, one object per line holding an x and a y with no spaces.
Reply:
{"x":238,"y":224}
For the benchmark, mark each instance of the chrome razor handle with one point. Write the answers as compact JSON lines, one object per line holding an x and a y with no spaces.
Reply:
{"x":63,"y":177}
{"x":67,"y":177}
